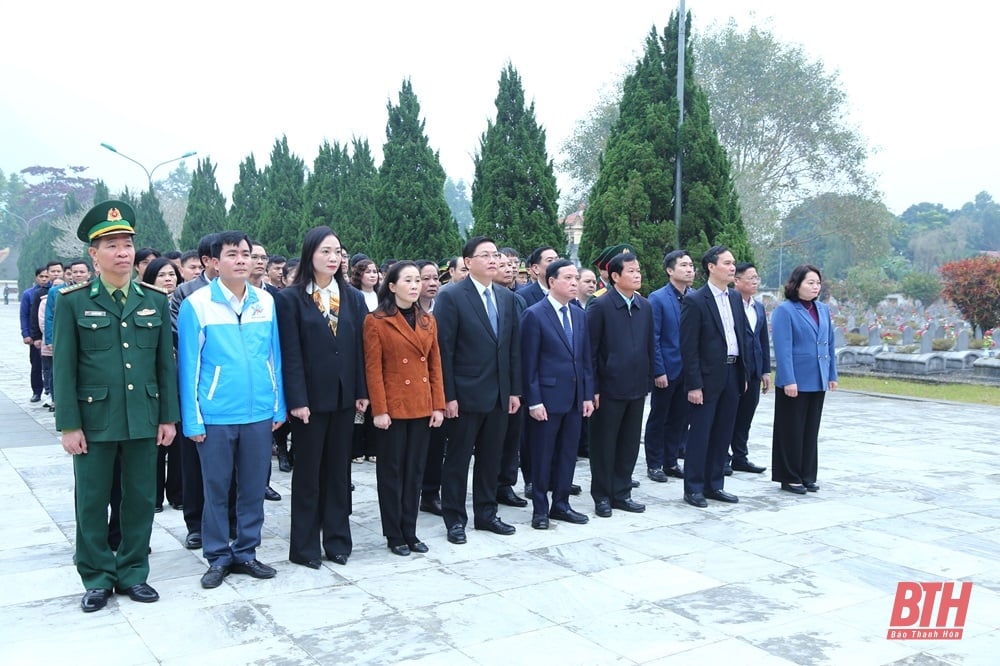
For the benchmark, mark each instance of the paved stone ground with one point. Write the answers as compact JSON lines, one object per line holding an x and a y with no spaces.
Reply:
{"x":909,"y":493}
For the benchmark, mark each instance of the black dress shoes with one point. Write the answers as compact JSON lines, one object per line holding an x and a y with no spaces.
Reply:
{"x":271,"y":494}
{"x":37,"y":397}
{"x":253,"y":568}
{"x":635,"y":484}
{"x":628,"y":505}
{"x":312,"y":564}
{"x":141,"y":592}
{"x":748,"y":466}
{"x":695,"y":499}
{"x":338,"y":558}
{"x":603,"y":508}
{"x":283,"y":464}
{"x":431,"y":505}
{"x":575,"y":489}
{"x":418,"y":547}
{"x":540,"y":522}
{"x":529,"y":489}
{"x":193,"y":541}
{"x":496,"y":526}
{"x":158,"y":509}
{"x":402,"y":550}
{"x":727,"y":469}
{"x":569,"y":516}
{"x":722,"y":496}
{"x":811,"y":487}
{"x":456,"y":534}
{"x":506,"y":495}
{"x":95,"y":600}
{"x":657,"y":475}
{"x":797,"y":489}
{"x":675,"y":472}
{"x":213,"y":577}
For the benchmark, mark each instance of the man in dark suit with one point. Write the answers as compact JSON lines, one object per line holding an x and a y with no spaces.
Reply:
{"x":538,"y":261}
{"x":621,"y":336}
{"x":481,"y":364}
{"x":559,"y":390}
{"x":714,"y":352}
{"x":515,"y":451}
{"x":668,"y":406}
{"x":758,"y":367}
{"x":114,"y":367}
{"x":192,"y":485}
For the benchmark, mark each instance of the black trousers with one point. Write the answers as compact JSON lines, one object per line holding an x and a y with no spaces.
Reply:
{"x":744,"y":417}
{"x":513,"y":451}
{"x":481,"y":433}
{"x":708,"y":441}
{"x":321,"y":485}
{"x":794,"y":446}
{"x":168,"y":474}
{"x":666,"y":424}
{"x":431,"y":486}
{"x":364,"y":442}
{"x":614,"y":447}
{"x":402,"y":454}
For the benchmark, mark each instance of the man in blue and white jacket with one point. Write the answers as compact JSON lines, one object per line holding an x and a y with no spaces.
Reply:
{"x":229,"y":359}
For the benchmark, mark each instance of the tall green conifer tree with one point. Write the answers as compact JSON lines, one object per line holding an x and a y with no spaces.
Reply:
{"x":415,"y":219}
{"x":633,"y":199}
{"x":277,"y":228}
{"x":514,"y":195}
{"x":151,"y":229}
{"x":206,"y":209}
{"x":248,"y":197}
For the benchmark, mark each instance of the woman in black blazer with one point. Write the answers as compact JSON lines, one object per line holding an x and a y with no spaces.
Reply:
{"x":321,"y":324}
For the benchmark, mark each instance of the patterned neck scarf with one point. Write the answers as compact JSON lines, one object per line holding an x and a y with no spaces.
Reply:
{"x":331,"y":309}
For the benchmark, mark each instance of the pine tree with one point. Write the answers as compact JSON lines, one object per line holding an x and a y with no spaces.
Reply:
{"x":206,"y":209}
{"x":633,"y":199}
{"x":248,"y":197}
{"x":514,"y":196}
{"x":415,"y":219}
{"x":359,"y":220}
{"x":151,"y":229}
{"x":324,"y":188}
{"x":277,"y":228}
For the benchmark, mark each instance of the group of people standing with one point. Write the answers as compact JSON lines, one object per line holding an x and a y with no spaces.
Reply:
{"x":479,"y":371}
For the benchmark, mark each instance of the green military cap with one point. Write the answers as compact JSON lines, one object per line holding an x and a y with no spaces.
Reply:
{"x":110,"y":217}
{"x":607,"y":253}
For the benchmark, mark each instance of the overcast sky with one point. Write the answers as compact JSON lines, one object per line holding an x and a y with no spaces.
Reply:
{"x":158,"y":79}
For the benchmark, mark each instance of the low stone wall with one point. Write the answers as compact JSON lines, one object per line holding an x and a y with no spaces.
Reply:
{"x":910,"y":364}
{"x":987,"y":368}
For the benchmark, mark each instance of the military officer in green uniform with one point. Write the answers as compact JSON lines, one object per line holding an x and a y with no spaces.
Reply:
{"x":113,"y":364}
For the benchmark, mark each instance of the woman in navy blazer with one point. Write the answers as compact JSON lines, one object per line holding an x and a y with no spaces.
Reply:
{"x":321,"y":323}
{"x":806,"y":369}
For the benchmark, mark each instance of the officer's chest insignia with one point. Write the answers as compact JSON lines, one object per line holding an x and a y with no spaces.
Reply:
{"x":95,"y":313}
{"x":147,"y":312}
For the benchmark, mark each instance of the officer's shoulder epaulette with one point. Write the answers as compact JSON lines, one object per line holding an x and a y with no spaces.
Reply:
{"x":146,"y":285}
{"x":74,"y":287}
{"x":600,"y":292}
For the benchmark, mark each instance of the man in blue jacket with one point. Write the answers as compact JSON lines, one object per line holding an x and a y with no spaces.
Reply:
{"x":667,"y":423}
{"x":34,"y":353}
{"x":229,"y":357}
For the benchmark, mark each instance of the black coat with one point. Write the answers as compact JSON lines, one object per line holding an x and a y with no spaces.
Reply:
{"x":323,"y":372}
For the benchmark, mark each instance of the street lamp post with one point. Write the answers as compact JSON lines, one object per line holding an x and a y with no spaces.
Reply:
{"x":27,"y":223}
{"x":149,"y":172}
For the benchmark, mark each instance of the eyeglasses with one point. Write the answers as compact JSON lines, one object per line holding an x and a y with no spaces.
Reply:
{"x":487,"y":255}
